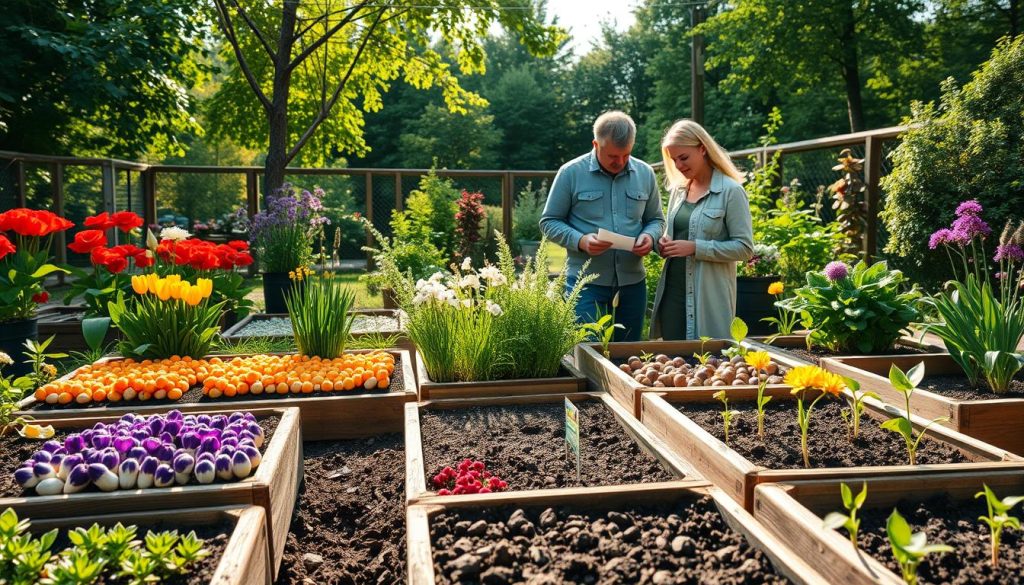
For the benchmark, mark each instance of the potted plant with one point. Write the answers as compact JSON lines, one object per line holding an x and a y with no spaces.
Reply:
{"x":282,"y":237}
{"x":526,"y":218}
{"x":754,"y":302}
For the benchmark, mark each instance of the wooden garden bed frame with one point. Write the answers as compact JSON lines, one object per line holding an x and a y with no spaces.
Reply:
{"x":274,"y":486}
{"x":246,"y":559}
{"x":603,"y":374}
{"x":737,"y":475}
{"x":794,"y":511}
{"x":233,"y":333}
{"x":782,"y":343}
{"x":997,"y":421}
{"x":420,"y":547}
{"x":569,"y":381}
{"x":325,"y":415}
{"x":416,"y":487}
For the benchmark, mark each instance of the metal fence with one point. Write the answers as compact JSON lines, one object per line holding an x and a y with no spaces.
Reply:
{"x":79,"y":187}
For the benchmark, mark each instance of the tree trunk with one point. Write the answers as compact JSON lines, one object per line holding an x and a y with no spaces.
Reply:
{"x":851,"y":75}
{"x":277,"y":151}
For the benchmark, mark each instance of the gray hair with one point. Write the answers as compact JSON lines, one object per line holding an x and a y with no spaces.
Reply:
{"x":615,"y":126}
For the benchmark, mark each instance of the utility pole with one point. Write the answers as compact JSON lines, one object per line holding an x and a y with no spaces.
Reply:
{"x":698,"y":14}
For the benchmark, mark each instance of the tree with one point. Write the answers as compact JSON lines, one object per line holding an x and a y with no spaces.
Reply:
{"x":323,"y":61}
{"x":99,"y":77}
{"x":451,"y":140}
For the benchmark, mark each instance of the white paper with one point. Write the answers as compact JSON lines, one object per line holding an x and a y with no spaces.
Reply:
{"x":619,"y":241}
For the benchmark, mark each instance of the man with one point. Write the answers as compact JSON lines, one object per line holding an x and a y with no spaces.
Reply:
{"x":606,"y":188}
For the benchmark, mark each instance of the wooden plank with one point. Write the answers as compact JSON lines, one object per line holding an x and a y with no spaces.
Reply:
{"x":571,"y":381}
{"x":649,"y":442}
{"x":737,"y":476}
{"x":420,"y":559}
{"x":245,"y":560}
{"x":415,"y":476}
{"x":872,"y":194}
{"x":234,"y":332}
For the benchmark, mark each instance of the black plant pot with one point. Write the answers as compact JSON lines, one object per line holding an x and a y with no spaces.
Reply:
{"x":275,"y":285}
{"x":753,"y":303}
{"x":13,"y":335}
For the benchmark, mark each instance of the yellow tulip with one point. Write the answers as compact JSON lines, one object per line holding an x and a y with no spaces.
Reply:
{"x":163,"y":290}
{"x":194,"y":296}
{"x":173,"y":278}
{"x":174,"y":289}
{"x":205,"y":285}
{"x":151,"y":280}
{"x":139,"y":284}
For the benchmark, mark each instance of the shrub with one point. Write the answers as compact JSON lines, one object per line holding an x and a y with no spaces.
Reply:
{"x":966,"y":147}
{"x":431,"y":210}
{"x":527,"y":211}
{"x":470,"y":216}
{"x":862,"y":309}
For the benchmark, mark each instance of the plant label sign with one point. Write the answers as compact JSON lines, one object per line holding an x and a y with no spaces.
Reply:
{"x":572,"y":433}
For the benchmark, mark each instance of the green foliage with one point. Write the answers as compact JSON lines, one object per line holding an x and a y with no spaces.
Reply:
{"x":430,"y":213}
{"x":975,"y":127}
{"x":319,"y":311}
{"x":907,"y":383}
{"x":865,"y":311}
{"x":853,"y":504}
{"x":35,"y":351}
{"x":998,"y":517}
{"x":727,"y":413}
{"x":451,"y":140}
{"x":909,"y":548}
{"x":12,"y":390}
{"x":159,"y":329}
{"x":856,"y":410}
{"x":527,"y":211}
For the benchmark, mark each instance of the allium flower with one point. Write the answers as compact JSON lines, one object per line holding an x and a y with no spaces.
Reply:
{"x":1009,"y":252}
{"x":174,"y":233}
{"x":969,"y":207}
{"x":943,"y":236}
{"x":836,"y":271}
{"x":776,"y":288}
{"x":967,"y":227}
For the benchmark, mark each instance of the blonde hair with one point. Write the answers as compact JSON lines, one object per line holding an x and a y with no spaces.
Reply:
{"x":689,"y":133}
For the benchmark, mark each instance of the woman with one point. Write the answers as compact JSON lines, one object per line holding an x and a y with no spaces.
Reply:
{"x":709,"y":231}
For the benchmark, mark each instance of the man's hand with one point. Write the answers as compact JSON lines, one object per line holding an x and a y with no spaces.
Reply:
{"x":676,"y":248}
{"x":593,"y":246}
{"x":643,"y":245}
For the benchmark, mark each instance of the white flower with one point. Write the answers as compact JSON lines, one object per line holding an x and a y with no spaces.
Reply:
{"x":437,"y":277}
{"x":174,"y":233}
{"x":5,"y":360}
{"x":493,"y":275}
{"x":494,"y":308}
{"x":467,"y":263}
{"x":552,"y":292}
{"x":467,"y":303}
{"x":470,"y":281}
{"x":454,"y":302}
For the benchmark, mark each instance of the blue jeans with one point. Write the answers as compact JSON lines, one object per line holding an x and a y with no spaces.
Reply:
{"x":597,"y":300}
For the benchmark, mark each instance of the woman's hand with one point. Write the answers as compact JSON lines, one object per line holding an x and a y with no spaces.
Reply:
{"x":676,"y":248}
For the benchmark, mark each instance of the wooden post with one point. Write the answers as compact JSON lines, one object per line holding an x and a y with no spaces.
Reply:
{"x":506,"y":205}
{"x":19,"y":169}
{"x":57,"y":189}
{"x":398,"y":192}
{"x":149,"y":197}
{"x":109,"y":187}
{"x":872,"y":194}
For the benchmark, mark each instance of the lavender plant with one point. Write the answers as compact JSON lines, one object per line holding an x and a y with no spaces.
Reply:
{"x":283,"y":234}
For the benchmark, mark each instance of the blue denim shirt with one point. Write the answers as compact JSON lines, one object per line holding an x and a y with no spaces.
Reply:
{"x":583,"y":198}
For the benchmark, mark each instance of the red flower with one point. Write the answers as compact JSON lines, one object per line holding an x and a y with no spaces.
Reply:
{"x":6,"y":247}
{"x":32,"y":222}
{"x":40,"y":297}
{"x":100,"y":221}
{"x":126,"y":221}
{"x":86,"y":240}
{"x":240,"y":245}
{"x":243,"y":259}
{"x":109,"y":259}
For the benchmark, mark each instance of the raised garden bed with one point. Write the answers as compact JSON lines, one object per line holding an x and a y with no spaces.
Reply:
{"x":522,"y":440}
{"x":692,"y":425}
{"x":273,"y":486}
{"x":605,"y":373}
{"x":568,"y":381}
{"x":675,"y":532}
{"x":943,"y":507}
{"x":65,"y":324}
{"x":349,"y":522}
{"x":979,"y":413}
{"x":795,"y":347}
{"x":325,"y":415}
{"x":235,"y":536}
{"x":385,"y":322}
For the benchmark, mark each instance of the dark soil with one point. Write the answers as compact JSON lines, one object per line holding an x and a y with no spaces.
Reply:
{"x":195,"y":395}
{"x":683,"y":542}
{"x":817,"y":352}
{"x":14,"y":450}
{"x":215,"y":537}
{"x":827,"y":439}
{"x":952,"y":523}
{"x":525,"y":446}
{"x":350,"y":512}
{"x":958,"y":388}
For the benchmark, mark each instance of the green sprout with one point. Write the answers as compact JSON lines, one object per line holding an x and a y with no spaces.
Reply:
{"x":726,"y":414}
{"x":853,"y":504}
{"x":907,"y":383}
{"x":910,"y":548}
{"x":853,"y":415}
{"x":998,"y":517}
{"x":604,"y":328}
{"x":703,"y":356}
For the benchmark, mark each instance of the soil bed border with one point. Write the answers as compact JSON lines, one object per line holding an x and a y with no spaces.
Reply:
{"x":568,"y":380}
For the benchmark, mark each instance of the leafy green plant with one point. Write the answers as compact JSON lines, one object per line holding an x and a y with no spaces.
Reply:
{"x":168,"y":316}
{"x":12,"y":390}
{"x":527,"y":211}
{"x":94,"y":330}
{"x":702,"y":357}
{"x":907,"y":383}
{"x":738,"y":331}
{"x":856,"y":410}
{"x":35,"y":351}
{"x":786,"y":321}
{"x":998,"y":517}
{"x":909,"y":548}
{"x":849,"y":520}
{"x":400,"y":261}
{"x":374,"y":340}
{"x":864,"y":309}
{"x":727,"y":413}
{"x":604,"y":328}
{"x":319,"y":309}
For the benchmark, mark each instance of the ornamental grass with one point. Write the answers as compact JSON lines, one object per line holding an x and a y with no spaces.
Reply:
{"x":319,"y":308}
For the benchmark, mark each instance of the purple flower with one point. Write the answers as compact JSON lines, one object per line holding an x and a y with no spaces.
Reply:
{"x":1010,"y":252}
{"x":943,"y":236}
{"x":967,"y":227}
{"x":969,"y":207}
{"x":836,"y":271}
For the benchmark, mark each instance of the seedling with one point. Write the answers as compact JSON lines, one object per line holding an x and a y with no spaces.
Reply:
{"x":907,"y":383}
{"x":759,"y":360}
{"x":849,"y":521}
{"x":910,"y":548}
{"x":856,"y":410}
{"x":703,"y":356}
{"x":726,"y":414}
{"x":738,"y":331}
{"x":605,"y":327}
{"x":998,"y":517}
